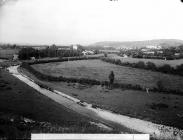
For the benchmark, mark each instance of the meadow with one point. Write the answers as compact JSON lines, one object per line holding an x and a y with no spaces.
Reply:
{"x":7,"y":53}
{"x":156,"y":107}
{"x":157,"y":62}
{"x":99,"y":70}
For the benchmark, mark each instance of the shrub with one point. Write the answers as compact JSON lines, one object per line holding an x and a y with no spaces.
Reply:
{"x":140,"y":64}
{"x":159,"y":85}
{"x":118,"y":62}
{"x":151,"y":66}
{"x":179,"y":69}
{"x":166,"y":69}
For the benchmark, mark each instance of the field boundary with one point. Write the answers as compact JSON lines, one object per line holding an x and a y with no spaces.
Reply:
{"x":166,"y":68}
{"x":45,"y":77}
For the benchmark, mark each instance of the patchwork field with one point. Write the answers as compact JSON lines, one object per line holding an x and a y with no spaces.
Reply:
{"x":97,"y":69}
{"x":156,"y":107}
{"x":7,"y":53}
{"x":157,"y":62}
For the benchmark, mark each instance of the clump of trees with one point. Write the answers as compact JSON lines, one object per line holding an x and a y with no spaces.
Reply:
{"x":148,"y":66}
{"x":27,"y":53}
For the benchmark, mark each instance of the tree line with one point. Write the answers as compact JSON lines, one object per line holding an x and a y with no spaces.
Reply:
{"x":27,"y":53}
{"x":166,"y":68}
{"x":43,"y":76}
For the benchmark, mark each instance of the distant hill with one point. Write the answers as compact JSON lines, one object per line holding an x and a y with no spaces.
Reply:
{"x":138,"y":44}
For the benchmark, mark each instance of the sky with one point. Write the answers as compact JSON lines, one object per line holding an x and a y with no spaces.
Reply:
{"x":89,"y":21}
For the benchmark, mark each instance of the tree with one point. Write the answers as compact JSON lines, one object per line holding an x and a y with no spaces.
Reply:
{"x":151,"y":66}
{"x":26,"y":53}
{"x":111,"y":78}
{"x":166,"y":68}
{"x":140,"y":64}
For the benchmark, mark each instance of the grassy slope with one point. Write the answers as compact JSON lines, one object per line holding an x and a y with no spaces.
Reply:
{"x":19,"y":99}
{"x":132,"y":103}
{"x":96,"y":69}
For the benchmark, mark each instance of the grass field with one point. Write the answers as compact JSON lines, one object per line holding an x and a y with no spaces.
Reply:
{"x":18,"y":100}
{"x":97,"y":69}
{"x":156,"y":107}
{"x":157,"y":62}
{"x":7,"y":53}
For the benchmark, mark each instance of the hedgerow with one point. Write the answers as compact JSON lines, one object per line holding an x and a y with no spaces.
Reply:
{"x":45,"y":77}
{"x":148,"y":66}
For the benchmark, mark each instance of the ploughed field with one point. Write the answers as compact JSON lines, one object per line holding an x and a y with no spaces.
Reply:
{"x":157,"y":62}
{"x":97,"y":69}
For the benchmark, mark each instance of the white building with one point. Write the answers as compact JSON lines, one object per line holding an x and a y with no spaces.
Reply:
{"x":87,"y":52}
{"x":75,"y":47}
{"x":153,"y":47}
{"x":15,"y":57}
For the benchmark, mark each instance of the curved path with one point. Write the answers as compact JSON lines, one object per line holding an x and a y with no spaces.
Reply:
{"x":123,"y":123}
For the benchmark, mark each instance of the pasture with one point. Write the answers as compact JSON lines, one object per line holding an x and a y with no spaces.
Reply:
{"x":99,"y":70}
{"x":7,"y":53}
{"x":156,"y":107}
{"x":157,"y":62}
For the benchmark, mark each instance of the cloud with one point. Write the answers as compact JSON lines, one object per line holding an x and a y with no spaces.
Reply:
{"x":3,"y":2}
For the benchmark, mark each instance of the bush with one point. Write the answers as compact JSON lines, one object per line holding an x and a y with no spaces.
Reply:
{"x":179,"y":69}
{"x":151,"y":66}
{"x":166,"y":69}
{"x":118,"y":62}
{"x":140,"y":64}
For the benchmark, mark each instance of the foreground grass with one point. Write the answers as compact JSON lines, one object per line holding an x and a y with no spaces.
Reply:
{"x":96,"y":69}
{"x":19,"y":101}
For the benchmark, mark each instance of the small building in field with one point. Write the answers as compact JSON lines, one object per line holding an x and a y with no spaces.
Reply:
{"x":15,"y":57}
{"x":75,"y":47}
{"x":86,"y":52}
{"x":149,"y":52}
{"x":109,"y":51}
{"x":64,"y":48}
{"x":33,"y":58}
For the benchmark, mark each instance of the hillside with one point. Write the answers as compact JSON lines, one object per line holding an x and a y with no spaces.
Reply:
{"x":117,"y":44}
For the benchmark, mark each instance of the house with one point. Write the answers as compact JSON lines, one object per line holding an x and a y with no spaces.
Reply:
{"x":109,"y":51}
{"x":64,"y":48}
{"x":125,"y":56}
{"x":153,"y":47}
{"x":40,"y":47}
{"x":33,"y":58}
{"x":86,"y":52}
{"x":160,"y":52}
{"x":15,"y":57}
{"x":75,"y":47}
{"x":149,"y":52}
{"x":177,"y":54}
